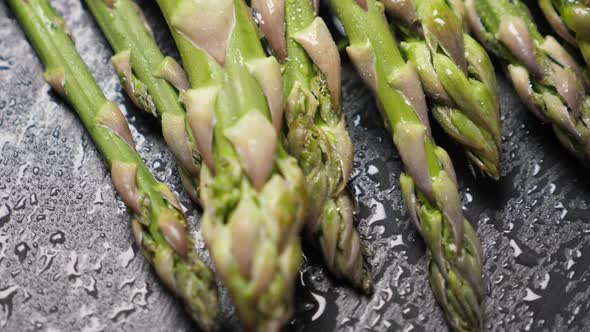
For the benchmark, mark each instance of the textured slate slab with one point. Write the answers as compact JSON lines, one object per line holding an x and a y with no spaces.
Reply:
{"x":67,"y":261}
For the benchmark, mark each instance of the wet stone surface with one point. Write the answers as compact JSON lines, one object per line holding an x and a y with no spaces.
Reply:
{"x":68,"y":262}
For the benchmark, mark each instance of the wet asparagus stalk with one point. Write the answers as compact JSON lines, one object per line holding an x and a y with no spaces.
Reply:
{"x":571,"y":20}
{"x":144,"y":73}
{"x":429,"y":185}
{"x":252,"y":191}
{"x":546,"y":77}
{"x":457,"y":76}
{"x":316,"y":131}
{"x":158,"y":223}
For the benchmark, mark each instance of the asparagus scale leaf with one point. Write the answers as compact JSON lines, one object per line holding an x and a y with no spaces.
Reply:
{"x":546,"y":77}
{"x":151,"y":80}
{"x":315,"y":130}
{"x":571,"y":20}
{"x":457,"y":76}
{"x":252,"y":191}
{"x":159,"y":225}
{"x":429,"y":185}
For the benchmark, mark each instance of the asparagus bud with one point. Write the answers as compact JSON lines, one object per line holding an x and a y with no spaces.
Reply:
{"x":253,"y":192}
{"x":316,"y":133}
{"x":429,"y":185}
{"x":457,"y":75}
{"x":547,"y":78}
{"x":152,"y":82}
{"x":159,"y":225}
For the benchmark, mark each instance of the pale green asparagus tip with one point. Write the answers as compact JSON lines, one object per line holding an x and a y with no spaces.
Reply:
{"x":159,"y":225}
{"x":457,"y":76}
{"x":253,"y":192}
{"x":316,"y":131}
{"x":429,"y":185}
{"x":152,"y":82}
{"x":545,"y":75}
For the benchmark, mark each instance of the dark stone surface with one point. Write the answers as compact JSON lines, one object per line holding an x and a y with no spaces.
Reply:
{"x":67,"y":261}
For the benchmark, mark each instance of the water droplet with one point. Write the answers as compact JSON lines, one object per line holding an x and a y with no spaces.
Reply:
{"x":47,"y":260}
{"x":531,"y":296}
{"x":21,"y":204}
{"x":57,"y":238}
{"x":378,"y":212}
{"x":543,"y":284}
{"x":91,"y":288}
{"x":98,"y":200}
{"x":72,"y":266}
{"x":6,"y":295}
{"x":5,"y":64}
{"x":569,"y":264}
{"x":16,"y":272}
{"x":128,"y":281}
{"x":127,"y":256}
{"x":5,"y":213}
{"x":321,"y":306}
{"x":372,"y":170}
{"x":536,"y":169}
{"x":396,"y":240}
{"x":21,"y":250}
{"x":517,"y":250}
{"x":122,"y":312}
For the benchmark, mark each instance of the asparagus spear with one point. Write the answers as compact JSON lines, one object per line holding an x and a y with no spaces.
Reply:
{"x":571,"y":20}
{"x":158,"y":223}
{"x":252,"y":191}
{"x":546,"y":77}
{"x":316,"y":132}
{"x":429,"y":185}
{"x":143,"y":72}
{"x":457,"y":76}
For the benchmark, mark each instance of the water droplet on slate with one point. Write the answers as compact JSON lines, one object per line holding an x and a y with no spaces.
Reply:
{"x":57,"y":238}
{"x":21,"y":251}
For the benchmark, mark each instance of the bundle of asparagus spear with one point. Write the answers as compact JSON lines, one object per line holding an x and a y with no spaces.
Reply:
{"x":545,"y":75}
{"x":430,"y":185}
{"x":315,"y":129}
{"x":158,"y":221}
{"x":457,"y":76}
{"x":260,"y":138}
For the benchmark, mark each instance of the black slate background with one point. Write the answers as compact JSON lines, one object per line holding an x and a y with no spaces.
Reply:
{"x":68,"y":262}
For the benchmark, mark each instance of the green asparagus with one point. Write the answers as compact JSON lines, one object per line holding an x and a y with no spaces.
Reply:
{"x":144,"y":73}
{"x":546,"y":77}
{"x":457,"y":76}
{"x":429,"y":185}
{"x":571,"y":20}
{"x":158,"y":223}
{"x":316,"y":132}
{"x":252,"y":191}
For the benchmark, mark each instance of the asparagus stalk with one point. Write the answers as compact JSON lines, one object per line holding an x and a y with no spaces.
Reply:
{"x":546,"y":77}
{"x":316,"y":132}
{"x":429,"y":185}
{"x":252,"y":191}
{"x":158,"y":223}
{"x":571,"y":20}
{"x":144,"y":72}
{"x":457,"y":76}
